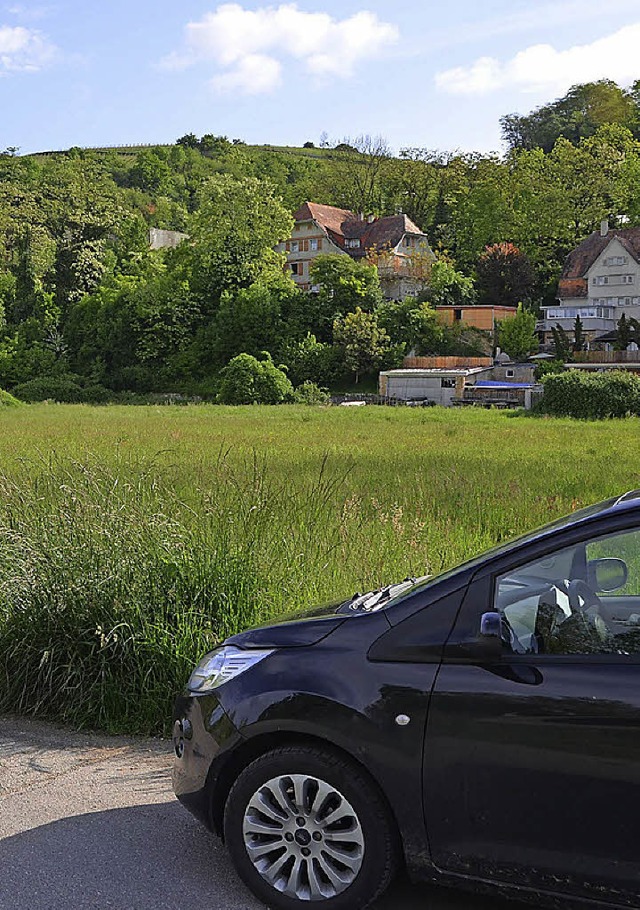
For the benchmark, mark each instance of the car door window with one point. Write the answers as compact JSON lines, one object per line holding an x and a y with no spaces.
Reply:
{"x":583,"y":599}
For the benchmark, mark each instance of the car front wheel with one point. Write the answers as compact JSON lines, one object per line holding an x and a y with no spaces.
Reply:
{"x":305,"y":827}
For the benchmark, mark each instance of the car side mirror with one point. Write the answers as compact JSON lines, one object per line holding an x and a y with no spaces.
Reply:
{"x":491,"y":625}
{"x":607,"y":574}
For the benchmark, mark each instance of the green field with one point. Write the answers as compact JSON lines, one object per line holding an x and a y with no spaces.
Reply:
{"x":132,"y":539}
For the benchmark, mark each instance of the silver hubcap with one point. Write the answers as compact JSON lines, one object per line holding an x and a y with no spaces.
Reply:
{"x":303,"y":837}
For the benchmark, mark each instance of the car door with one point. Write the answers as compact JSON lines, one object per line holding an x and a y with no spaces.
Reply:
{"x":532,"y":750}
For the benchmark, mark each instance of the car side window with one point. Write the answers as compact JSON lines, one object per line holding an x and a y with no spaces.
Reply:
{"x":583,"y":599}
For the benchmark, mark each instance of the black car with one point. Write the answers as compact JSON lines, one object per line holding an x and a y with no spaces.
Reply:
{"x":481,"y":727}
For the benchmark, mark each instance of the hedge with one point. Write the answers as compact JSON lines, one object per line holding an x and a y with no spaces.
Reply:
{"x":591,"y":396}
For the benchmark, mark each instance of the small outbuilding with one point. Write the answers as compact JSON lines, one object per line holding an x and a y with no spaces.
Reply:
{"x":436,"y":386}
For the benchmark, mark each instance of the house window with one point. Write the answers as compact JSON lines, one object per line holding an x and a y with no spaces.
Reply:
{"x":447,"y":383}
{"x":313,"y":245}
{"x":352,"y":243}
{"x":297,"y":268}
{"x":616,"y":260}
{"x":613,"y":279}
{"x":510,"y":374}
{"x":408,"y":242}
{"x":457,"y":315}
{"x":295,"y":246}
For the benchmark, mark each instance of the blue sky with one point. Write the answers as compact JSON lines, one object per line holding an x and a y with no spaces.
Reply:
{"x":420,"y":73}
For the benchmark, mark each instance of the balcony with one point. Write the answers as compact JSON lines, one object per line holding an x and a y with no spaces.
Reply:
{"x":608,"y":357}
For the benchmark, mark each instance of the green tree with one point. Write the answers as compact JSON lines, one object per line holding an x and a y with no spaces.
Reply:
{"x":412,"y":184}
{"x":354,"y":180}
{"x":413,"y":324}
{"x":310,"y":360}
{"x":448,"y":286}
{"x":232,"y":237}
{"x":561,"y":343}
{"x":575,"y":116}
{"x":627,"y":332}
{"x":344,"y":284}
{"x":517,"y":336}
{"x":250,"y":321}
{"x":579,"y":337}
{"x":363,"y":342}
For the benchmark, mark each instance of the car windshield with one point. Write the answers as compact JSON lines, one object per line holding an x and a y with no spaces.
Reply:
{"x":565,"y":522}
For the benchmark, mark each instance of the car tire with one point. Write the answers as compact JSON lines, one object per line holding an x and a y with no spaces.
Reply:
{"x":306,"y":827}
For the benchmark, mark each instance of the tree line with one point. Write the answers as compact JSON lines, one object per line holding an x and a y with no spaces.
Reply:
{"x":84,"y":302}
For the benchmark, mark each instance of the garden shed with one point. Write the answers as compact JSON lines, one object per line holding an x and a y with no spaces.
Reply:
{"x":439,"y":386}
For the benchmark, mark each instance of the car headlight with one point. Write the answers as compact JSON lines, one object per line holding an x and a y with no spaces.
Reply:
{"x":224,"y":664}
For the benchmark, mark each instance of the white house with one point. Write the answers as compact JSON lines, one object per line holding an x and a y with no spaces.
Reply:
{"x":600,"y":281}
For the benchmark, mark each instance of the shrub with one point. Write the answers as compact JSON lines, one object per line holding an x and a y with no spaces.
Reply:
{"x":246,"y":380}
{"x":314,"y":361}
{"x":63,"y":389}
{"x":548,"y":367}
{"x":49,"y":388}
{"x":310,"y":393}
{"x":96,"y":394}
{"x":8,"y":401}
{"x":615,"y":393}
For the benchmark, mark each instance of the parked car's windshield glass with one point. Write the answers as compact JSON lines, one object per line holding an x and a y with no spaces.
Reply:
{"x":565,"y":521}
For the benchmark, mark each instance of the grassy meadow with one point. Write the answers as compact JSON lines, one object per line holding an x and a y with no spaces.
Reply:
{"x":133,"y":539}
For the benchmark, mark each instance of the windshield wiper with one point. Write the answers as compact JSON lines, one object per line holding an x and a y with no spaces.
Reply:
{"x":375,"y":600}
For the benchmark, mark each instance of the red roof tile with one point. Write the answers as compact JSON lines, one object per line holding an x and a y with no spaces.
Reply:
{"x":578,"y":263}
{"x":379,"y":234}
{"x":327,"y":215}
{"x":570,"y":288}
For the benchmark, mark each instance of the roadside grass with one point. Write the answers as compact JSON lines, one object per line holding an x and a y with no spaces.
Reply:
{"x":134,"y":539}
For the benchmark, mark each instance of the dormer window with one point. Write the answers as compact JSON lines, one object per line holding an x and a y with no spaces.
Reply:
{"x":352,"y":243}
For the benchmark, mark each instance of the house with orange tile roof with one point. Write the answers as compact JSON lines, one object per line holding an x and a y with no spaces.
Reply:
{"x":599,"y":282}
{"x":395,"y":244}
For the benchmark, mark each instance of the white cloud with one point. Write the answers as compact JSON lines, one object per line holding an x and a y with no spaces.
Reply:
{"x":252,"y":75}
{"x":23,"y":50}
{"x":543,"y":67}
{"x":29,"y":13}
{"x":249,"y":45}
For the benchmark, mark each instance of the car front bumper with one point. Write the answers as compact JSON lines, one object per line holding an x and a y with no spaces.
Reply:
{"x":202,"y":736}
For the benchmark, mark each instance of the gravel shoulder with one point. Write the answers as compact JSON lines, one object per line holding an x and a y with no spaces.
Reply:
{"x":89,"y":822}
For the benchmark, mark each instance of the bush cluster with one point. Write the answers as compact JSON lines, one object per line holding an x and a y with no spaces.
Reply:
{"x":63,"y":389}
{"x":591,"y":396}
{"x":247,"y":380}
{"x":7,"y":400}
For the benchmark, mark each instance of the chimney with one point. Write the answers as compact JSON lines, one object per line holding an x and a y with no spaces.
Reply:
{"x":604,"y":228}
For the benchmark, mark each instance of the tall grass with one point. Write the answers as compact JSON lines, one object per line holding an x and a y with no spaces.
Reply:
{"x":131,"y":541}
{"x":111,"y":585}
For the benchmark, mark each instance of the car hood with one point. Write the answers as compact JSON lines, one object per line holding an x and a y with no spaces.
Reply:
{"x":306,"y":627}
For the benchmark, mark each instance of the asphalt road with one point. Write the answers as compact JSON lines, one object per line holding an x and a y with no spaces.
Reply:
{"x":90,"y":822}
